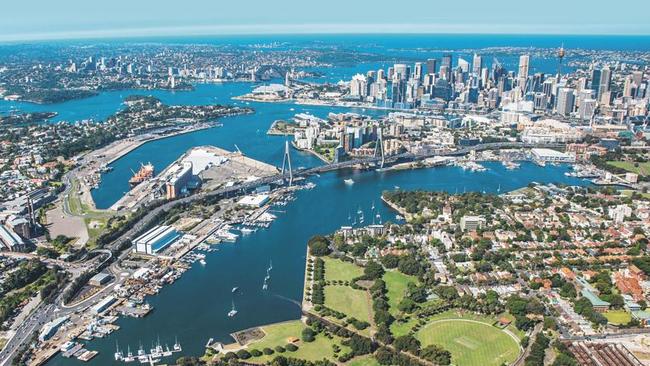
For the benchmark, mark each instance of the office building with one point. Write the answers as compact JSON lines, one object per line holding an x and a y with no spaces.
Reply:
{"x":431,"y":66}
{"x":565,"y":101}
{"x":477,"y":65}
{"x":605,"y":82}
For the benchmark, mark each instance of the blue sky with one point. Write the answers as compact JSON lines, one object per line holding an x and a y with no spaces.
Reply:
{"x":50,"y":19}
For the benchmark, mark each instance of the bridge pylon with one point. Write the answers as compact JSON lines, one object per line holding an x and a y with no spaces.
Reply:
{"x":379,"y":147}
{"x":286,"y":163}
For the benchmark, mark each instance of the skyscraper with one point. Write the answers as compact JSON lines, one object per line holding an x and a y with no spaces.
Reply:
{"x":477,"y":64}
{"x":605,"y":81}
{"x":418,"y":72}
{"x":524,"y":61}
{"x":595,"y":80}
{"x":431,"y":65}
{"x":565,"y":101}
{"x":446,"y":62}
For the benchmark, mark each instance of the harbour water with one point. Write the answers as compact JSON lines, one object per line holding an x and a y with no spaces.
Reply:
{"x":195,"y":307}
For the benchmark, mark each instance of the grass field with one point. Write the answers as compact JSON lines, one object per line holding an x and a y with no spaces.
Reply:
{"x":471,"y":343}
{"x":396,"y":283}
{"x":364,"y":361}
{"x":618,"y":316}
{"x":277,"y":334}
{"x":354,"y":303}
{"x":337,"y":270}
{"x":642,"y":169}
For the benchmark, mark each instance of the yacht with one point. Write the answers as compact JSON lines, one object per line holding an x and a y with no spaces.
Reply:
{"x":202,"y":261}
{"x":348,"y":181}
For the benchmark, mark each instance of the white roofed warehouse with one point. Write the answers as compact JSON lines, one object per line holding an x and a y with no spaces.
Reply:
{"x":155,"y":240}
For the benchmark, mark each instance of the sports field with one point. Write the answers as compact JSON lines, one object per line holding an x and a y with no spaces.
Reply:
{"x":471,"y":343}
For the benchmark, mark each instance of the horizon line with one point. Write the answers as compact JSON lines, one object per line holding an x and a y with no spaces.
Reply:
{"x":307,"y":29}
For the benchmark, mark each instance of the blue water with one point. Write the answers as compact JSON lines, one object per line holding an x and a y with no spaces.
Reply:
{"x":194,"y":308}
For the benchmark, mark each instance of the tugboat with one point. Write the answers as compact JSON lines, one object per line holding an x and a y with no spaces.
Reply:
{"x":145,"y":173}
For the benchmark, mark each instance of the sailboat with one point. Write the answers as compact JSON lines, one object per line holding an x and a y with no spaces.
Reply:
{"x":118,"y":354}
{"x":499,"y":189}
{"x":177,"y":346}
{"x":270,"y":266}
{"x":233,"y":311}
{"x":129,"y":355}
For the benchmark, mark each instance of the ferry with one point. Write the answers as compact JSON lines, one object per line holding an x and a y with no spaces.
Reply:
{"x":145,"y":173}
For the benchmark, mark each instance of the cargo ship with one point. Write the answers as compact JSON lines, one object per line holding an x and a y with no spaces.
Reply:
{"x":145,"y":173}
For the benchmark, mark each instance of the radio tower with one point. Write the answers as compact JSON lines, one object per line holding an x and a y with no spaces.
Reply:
{"x":560,"y":56}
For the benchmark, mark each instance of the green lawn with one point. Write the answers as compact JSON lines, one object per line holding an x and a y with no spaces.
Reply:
{"x":364,"y":361}
{"x":470,"y":343}
{"x":642,"y":169}
{"x":399,"y":328}
{"x":354,"y":303}
{"x":396,"y":283}
{"x":277,"y":335}
{"x":618,"y":317}
{"x":337,"y":270}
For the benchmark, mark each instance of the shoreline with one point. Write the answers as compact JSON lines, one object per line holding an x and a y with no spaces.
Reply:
{"x":319,"y":156}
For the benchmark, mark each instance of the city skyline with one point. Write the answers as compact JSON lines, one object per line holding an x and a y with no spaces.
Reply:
{"x":77,"y":20}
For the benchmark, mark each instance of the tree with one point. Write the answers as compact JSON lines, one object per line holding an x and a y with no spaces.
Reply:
{"x":373,"y":270}
{"x":409,"y":265}
{"x":319,"y":246}
{"x":436,"y":354}
{"x":390,"y":261}
{"x":308,"y":335}
{"x":407,"y":343}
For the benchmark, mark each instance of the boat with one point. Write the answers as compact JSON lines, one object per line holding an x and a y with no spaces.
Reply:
{"x":118,"y":354}
{"x":145,"y":173}
{"x":234,"y":289}
{"x":202,"y":261}
{"x":233,"y":311}
{"x":177,"y":347}
{"x":247,"y":230}
{"x":348,"y":181}
{"x":129,"y":355}
{"x":399,"y":217}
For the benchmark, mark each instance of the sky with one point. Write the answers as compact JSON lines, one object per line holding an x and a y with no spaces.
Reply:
{"x":62,"y":19}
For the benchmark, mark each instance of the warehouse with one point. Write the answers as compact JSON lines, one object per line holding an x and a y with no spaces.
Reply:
{"x":155,"y":240}
{"x":552,"y":156}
